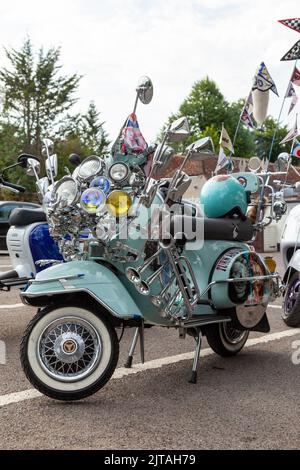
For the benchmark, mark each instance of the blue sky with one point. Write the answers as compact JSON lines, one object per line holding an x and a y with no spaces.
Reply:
{"x":113,"y":42}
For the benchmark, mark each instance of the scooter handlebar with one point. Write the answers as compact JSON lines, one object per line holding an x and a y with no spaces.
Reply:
{"x":16,"y":187}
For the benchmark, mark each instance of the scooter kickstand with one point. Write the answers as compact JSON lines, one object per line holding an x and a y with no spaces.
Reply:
{"x":128,"y":363}
{"x":198,"y":339}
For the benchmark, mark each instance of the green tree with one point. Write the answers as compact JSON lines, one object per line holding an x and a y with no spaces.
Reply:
{"x":93,"y":134}
{"x":35,"y":96}
{"x":264,"y":138}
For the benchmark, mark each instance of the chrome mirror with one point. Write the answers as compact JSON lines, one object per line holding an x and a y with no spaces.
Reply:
{"x":282,"y":161}
{"x":145,"y":90}
{"x":51,"y":167}
{"x":33,"y":167}
{"x":179,"y":130}
{"x":201,"y":146}
{"x":48,"y":147}
{"x":254,"y":164}
{"x":161,"y":158}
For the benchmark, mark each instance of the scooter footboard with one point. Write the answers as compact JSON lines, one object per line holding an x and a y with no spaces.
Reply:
{"x":86,"y":277}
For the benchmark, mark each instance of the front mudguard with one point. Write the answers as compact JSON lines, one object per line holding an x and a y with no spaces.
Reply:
{"x":89,"y":277}
{"x":293,"y":266}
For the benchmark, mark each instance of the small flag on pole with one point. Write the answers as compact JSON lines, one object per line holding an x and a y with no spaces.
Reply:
{"x":296,"y":149}
{"x":291,"y":93}
{"x":293,"y":23}
{"x":246,"y":119}
{"x":222,"y":160}
{"x":225,"y":140}
{"x":263,"y":80}
{"x":291,"y":135}
{"x":296,"y":77}
{"x":293,"y":53}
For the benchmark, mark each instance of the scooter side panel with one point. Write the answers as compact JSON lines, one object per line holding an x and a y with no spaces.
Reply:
{"x":86,"y":276}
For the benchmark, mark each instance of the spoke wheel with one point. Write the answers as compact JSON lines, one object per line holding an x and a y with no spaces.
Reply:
{"x":69,"y":352}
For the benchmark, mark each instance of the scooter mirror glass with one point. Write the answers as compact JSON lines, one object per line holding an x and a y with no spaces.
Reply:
{"x":145,"y":90}
{"x":48,"y":147}
{"x":254,"y":164}
{"x":201,"y":146}
{"x":51,"y":166}
{"x":33,"y":167}
{"x":282,"y":161}
{"x":179,"y":130}
{"x":297,"y":187}
{"x":161,"y":159}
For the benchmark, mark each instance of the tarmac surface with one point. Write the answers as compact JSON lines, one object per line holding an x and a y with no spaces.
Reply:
{"x":249,"y":401}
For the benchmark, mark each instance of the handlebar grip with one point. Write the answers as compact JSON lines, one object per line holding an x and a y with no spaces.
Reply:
{"x":17,"y":187}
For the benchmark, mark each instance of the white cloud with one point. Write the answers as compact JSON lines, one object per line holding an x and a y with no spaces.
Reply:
{"x":113,"y":42}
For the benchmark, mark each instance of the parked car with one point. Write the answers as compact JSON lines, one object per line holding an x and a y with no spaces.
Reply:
{"x":5,"y":210}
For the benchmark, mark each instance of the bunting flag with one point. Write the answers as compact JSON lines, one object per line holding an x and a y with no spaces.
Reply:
{"x":296,"y":149}
{"x":225,"y":140}
{"x":293,"y":23}
{"x":292,"y":134}
{"x":263,"y":80}
{"x":133,"y":141}
{"x":246,"y":118}
{"x":291,"y":93}
{"x":293,"y":53}
{"x":296,"y":77}
{"x":249,"y":104}
{"x":222,"y":160}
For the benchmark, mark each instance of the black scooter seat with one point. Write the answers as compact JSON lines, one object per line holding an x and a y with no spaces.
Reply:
{"x":191,"y":228}
{"x":21,"y":217}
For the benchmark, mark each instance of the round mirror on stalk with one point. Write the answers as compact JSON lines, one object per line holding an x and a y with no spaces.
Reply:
{"x":282,"y":161}
{"x":255,"y":164}
{"x":161,"y":159}
{"x":179,"y":130}
{"x":145,"y":90}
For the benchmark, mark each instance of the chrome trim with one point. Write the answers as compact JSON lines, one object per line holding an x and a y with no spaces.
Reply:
{"x":60,"y":278}
{"x":100,"y":301}
{"x":240,"y":279}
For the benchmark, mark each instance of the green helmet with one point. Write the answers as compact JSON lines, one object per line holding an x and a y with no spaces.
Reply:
{"x":223,"y":195}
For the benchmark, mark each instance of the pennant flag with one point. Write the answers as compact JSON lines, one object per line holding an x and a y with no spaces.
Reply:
{"x":222,"y":160}
{"x":225,"y":140}
{"x":293,"y":23}
{"x":249,"y":104}
{"x":296,"y":149}
{"x":296,"y":77}
{"x":291,"y":134}
{"x":263,"y":80}
{"x":291,"y":93}
{"x":246,"y":119}
{"x":293,"y":53}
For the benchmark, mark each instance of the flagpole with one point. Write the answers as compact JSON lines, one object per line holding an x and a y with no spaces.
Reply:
{"x":279,"y":116}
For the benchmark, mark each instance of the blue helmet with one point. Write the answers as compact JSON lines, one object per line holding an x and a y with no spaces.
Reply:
{"x":223,"y":195}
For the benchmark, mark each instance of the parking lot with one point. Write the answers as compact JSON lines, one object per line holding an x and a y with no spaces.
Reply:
{"x":246,"y":402}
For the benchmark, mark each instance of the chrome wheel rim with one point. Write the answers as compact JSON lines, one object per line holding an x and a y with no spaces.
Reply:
{"x":291,"y":296}
{"x":233,"y":335}
{"x":69,"y":349}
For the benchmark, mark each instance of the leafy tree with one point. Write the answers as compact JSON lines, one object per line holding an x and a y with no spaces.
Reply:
{"x":35,"y":97}
{"x":92,"y":132}
{"x":206,"y":109}
{"x":264,"y":138}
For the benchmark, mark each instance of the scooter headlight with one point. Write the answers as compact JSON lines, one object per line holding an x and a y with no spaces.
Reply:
{"x":101,"y":182}
{"x":93,"y":200}
{"x":90,"y":167}
{"x":118,"y":203}
{"x":65,"y":190}
{"x":119,"y":172}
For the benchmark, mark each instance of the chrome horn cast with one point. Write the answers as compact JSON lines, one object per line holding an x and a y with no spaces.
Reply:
{"x":70,"y":349}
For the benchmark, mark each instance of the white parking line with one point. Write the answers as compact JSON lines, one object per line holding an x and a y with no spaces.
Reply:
{"x":5,"y":266}
{"x":155,"y":364}
{"x":275,"y":306}
{"x":11,"y":306}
